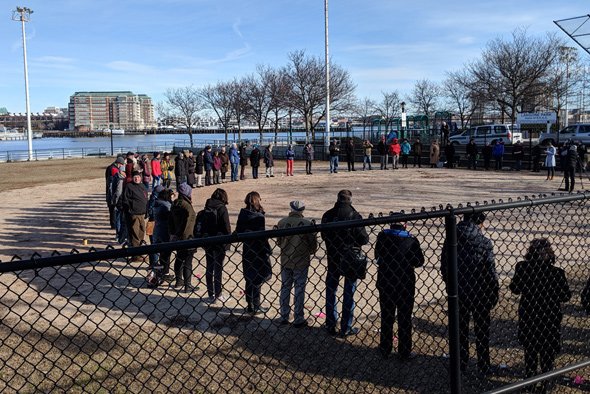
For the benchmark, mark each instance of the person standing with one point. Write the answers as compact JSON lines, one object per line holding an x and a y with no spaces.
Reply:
{"x":550,"y":160}
{"x":444,"y":133}
{"x":397,"y":253}
{"x":498,"y":153}
{"x":290,"y":156}
{"x":450,"y":154}
{"x":255,"y":161}
{"x":471,"y":150}
{"x":339,"y":243}
{"x":394,"y":152}
{"x":269,"y":161}
{"x":216,"y":168}
{"x":216,"y":206}
{"x":243,"y":161}
{"x":417,"y":150}
{"x":569,"y":168}
{"x":296,"y":253}
{"x":434,"y":154}
{"x":333,"y":152}
{"x":181,"y":226}
{"x":478,"y":287}
{"x":255,"y":253}
{"x":208,"y":161}
{"x":180,"y":169}
{"x":405,"y":150}
{"x":518,"y":155}
{"x":110,"y":173}
{"x":224,"y":163}
{"x":135,"y":200}
{"x":349,"y":150}
{"x":308,"y":152}
{"x":167,"y":170}
{"x":487,"y":152}
{"x":156,"y":170}
{"x":162,"y":208}
{"x":543,"y":287}
{"x":200,"y":167}
{"x":367,"y":151}
{"x":234,"y":159}
{"x":191,"y":168}
{"x":146,"y":171}
{"x":383,"y":150}
{"x":117,"y":187}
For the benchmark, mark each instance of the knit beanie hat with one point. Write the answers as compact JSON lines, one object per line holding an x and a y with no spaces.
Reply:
{"x":185,"y":190}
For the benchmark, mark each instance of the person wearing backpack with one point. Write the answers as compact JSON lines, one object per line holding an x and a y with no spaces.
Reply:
{"x":213,"y":221}
{"x":181,"y":224}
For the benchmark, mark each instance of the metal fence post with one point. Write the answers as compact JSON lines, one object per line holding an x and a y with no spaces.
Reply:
{"x":453,"y":302}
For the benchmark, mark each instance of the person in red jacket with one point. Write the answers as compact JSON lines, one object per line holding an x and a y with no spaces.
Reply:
{"x":156,"y":170}
{"x":394,"y":152}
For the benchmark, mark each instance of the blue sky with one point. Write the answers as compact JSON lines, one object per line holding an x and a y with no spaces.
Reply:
{"x":148,"y":46}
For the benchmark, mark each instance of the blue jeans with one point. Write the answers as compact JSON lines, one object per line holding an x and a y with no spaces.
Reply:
{"x":332,"y":281}
{"x":120,"y":225}
{"x":234,"y":172}
{"x":333,"y":164}
{"x":367,"y":161}
{"x":288,"y":277}
{"x":156,"y":182}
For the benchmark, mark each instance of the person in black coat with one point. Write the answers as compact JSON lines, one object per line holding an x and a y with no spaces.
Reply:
{"x":190,"y":168}
{"x":487,"y":152}
{"x":536,"y":153}
{"x":569,"y":167}
{"x":450,"y":154}
{"x":243,"y":161}
{"x":200,"y":167}
{"x":471,"y":150}
{"x":255,"y":254}
{"x":478,"y":287}
{"x":180,"y":170}
{"x":382,"y":149}
{"x":338,"y":244}
{"x":215,"y":254}
{"x":255,"y":161}
{"x":349,"y":149}
{"x":543,"y":287}
{"x":208,"y":162}
{"x":397,"y":253}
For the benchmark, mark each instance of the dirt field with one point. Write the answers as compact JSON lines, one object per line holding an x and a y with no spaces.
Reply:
{"x":98,"y":328}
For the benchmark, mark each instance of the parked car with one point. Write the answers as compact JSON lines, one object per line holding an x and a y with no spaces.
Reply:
{"x":488,"y":133}
{"x":578,"y":132}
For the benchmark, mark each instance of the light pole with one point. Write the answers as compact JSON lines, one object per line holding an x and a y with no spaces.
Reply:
{"x":567,"y":53}
{"x":327,"y":134}
{"x":23,"y":14}
{"x":403,"y":119}
{"x":290,"y":127}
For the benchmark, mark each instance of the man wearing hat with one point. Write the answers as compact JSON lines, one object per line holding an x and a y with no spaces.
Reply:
{"x":111,"y":172}
{"x":296,"y":252}
{"x":135,"y":199}
{"x":181,"y":227}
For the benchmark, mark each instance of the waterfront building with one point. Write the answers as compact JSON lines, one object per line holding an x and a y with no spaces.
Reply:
{"x":111,"y":110}
{"x":52,"y":118}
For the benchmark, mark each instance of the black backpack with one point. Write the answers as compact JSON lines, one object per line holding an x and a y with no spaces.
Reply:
{"x":206,"y":223}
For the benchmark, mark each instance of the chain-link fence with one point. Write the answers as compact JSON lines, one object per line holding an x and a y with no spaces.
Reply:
{"x":92,"y":323}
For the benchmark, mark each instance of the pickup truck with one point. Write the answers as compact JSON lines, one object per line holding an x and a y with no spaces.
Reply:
{"x":578,"y":132}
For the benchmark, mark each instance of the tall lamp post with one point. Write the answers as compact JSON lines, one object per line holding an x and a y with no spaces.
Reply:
{"x":403,"y":120}
{"x":327,"y":134}
{"x":22,"y":15}
{"x":290,"y":127}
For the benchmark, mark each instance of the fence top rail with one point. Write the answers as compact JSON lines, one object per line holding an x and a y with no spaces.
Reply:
{"x":111,"y":253}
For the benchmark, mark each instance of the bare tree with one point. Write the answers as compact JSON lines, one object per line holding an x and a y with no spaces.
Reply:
{"x":258,"y":92}
{"x":219,"y":98}
{"x":279,"y":90}
{"x":306,"y":76}
{"x":364,"y":108}
{"x":462,"y":100}
{"x":424,"y":97}
{"x":388,"y":107}
{"x":239,"y":102}
{"x":510,"y":73}
{"x":185,"y":105}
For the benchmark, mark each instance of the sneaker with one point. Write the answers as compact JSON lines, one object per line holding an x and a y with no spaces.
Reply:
{"x":260,"y":310}
{"x":301,"y":324}
{"x":350,"y":332}
{"x":221,"y":298}
{"x":209,"y":300}
{"x":190,"y":288}
{"x":168,"y":278}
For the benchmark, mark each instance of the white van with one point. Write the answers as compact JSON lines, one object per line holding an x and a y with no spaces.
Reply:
{"x":488,"y":133}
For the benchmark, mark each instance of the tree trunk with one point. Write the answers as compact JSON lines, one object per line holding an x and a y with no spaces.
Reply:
{"x":190,"y":136}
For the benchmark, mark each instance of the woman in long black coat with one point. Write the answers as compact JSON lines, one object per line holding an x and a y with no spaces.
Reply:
{"x":256,"y":253}
{"x":543,"y":287}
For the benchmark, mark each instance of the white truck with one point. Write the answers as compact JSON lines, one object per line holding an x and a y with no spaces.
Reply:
{"x":578,"y":132}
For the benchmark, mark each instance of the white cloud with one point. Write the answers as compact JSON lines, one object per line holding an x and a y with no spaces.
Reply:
{"x":236,"y":27}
